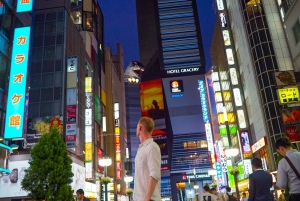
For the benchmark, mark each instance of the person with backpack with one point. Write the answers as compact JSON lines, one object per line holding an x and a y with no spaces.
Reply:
{"x":288,"y":168}
{"x":260,"y":183}
{"x":207,"y":196}
{"x":228,"y":196}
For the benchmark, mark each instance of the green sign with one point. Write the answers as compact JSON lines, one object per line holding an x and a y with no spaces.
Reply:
{"x":97,"y":108}
{"x":232,"y":129}
{"x":230,"y":176}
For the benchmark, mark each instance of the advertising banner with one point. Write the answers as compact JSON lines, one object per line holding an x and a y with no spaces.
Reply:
{"x":15,"y":111}
{"x":288,"y":95}
{"x":245,"y":142}
{"x":10,"y":185}
{"x":97,"y":106}
{"x":285,"y":78}
{"x":78,"y":178}
{"x":293,"y":132}
{"x":24,"y":5}
{"x":36,"y":127}
{"x":71,"y":113}
{"x":291,"y":116}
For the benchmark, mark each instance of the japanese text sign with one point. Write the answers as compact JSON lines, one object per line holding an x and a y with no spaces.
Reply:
{"x":24,"y":5}
{"x":204,"y":106}
{"x":288,"y":95}
{"x":17,"y":84}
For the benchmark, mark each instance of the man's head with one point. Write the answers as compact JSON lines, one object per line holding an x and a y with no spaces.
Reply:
{"x":256,"y":163}
{"x":80,"y":194}
{"x":244,"y":195}
{"x":282,"y":191}
{"x":214,"y":191}
{"x":206,"y":189}
{"x":228,"y":189}
{"x":283,"y":145}
{"x":145,"y":127}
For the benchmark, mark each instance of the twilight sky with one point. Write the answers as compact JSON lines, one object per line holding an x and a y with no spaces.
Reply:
{"x":120,"y":25}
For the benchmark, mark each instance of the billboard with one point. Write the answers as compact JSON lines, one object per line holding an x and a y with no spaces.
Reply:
{"x":152,"y":105}
{"x":15,"y":116}
{"x":78,"y":177}
{"x":291,"y":116}
{"x":24,"y":5}
{"x":36,"y":127}
{"x":10,"y":185}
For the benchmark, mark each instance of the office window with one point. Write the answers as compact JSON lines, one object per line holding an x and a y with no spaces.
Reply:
{"x":3,"y":69}
{"x":6,"y":22}
{"x":296,"y":31}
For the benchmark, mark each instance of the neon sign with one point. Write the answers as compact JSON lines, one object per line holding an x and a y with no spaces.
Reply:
{"x":14,"y":121}
{"x":203,"y":100}
{"x":24,"y":5}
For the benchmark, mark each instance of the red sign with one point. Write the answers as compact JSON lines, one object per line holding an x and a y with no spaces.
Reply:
{"x":119,"y":166}
{"x":70,"y":138}
{"x":71,"y":113}
{"x":119,"y":174}
{"x":293,"y":132}
{"x":118,"y":148}
{"x":117,"y":140}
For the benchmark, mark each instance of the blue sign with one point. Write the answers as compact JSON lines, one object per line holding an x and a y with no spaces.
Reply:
{"x":1,"y":8}
{"x":201,"y":88}
{"x":24,"y":5}
{"x":219,"y":170}
{"x":177,"y":95}
{"x":14,"y":121}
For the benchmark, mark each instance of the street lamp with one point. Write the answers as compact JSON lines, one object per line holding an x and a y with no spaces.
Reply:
{"x":105,"y":161}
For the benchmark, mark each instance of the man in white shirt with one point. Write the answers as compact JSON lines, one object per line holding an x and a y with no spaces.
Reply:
{"x":206,"y":195}
{"x":218,"y":196}
{"x":147,"y":164}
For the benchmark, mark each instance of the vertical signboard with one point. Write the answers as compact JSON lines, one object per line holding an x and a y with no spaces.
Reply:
{"x":203,"y":100}
{"x":14,"y":121}
{"x":88,"y":128}
{"x":117,"y":142}
{"x":24,"y":5}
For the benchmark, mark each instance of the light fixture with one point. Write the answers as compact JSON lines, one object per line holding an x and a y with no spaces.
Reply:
{"x":212,"y":172}
{"x":128,"y":178}
{"x":1,"y":139}
{"x":105,"y":161}
{"x":14,"y":146}
{"x":196,"y":187}
{"x":231,"y":152}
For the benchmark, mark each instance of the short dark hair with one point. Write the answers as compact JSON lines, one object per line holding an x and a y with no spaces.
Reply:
{"x":213,"y":189}
{"x":228,"y":189}
{"x":206,"y":188}
{"x":80,"y":191}
{"x":284,"y":142}
{"x":282,"y":190}
{"x":256,"y":162}
{"x":244,"y":194}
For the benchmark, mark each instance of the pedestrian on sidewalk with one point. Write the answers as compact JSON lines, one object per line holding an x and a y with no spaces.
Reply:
{"x":288,"y":172}
{"x":147,"y":164}
{"x":260,"y":183}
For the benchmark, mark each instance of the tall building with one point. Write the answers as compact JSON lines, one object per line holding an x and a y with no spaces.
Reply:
{"x":12,"y":17}
{"x":64,"y":81}
{"x":254,"y":35}
{"x":172,"y":92}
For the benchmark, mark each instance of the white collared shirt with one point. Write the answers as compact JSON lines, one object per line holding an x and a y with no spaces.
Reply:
{"x":147,"y":164}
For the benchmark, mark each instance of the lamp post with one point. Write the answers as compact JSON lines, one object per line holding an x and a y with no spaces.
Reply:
{"x":105,"y":161}
{"x":232,"y":152}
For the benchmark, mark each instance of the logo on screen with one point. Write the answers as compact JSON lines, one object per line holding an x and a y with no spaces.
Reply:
{"x":176,"y":86}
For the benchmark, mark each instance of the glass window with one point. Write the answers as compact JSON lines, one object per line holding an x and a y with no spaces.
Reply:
{"x":48,"y":66}
{"x":51,"y":16}
{"x":47,"y":94}
{"x":49,"y":40}
{"x":58,"y":79}
{"x":58,"y":65}
{"x":296,"y":31}
{"x":56,"y":107}
{"x":38,"y":41}
{"x":60,"y":26}
{"x":60,"y":15}
{"x":39,"y":18}
{"x":48,"y":79}
{"x":6,"y":22}
{"x":35,"y":81}
{"x":50,"y":27}
{"x":1,"y":99}
{"x":34,"y":110}
{"x":39,"y":28}
{"x":59,"y":51}
{"x":34,"y":95}
{"x":59,"y":39}
{"x":49,"y":52}
{"x":36,"y":67}
{"x":57,"y":93}
{"x":46,"y":109}
{"x":37,"y":53}
{"x":3,"y":69}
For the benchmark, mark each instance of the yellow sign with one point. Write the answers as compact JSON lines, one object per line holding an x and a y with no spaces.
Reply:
{"x":88,"y":84}
{"x":88,"y":151}
{"x":288,"y":95}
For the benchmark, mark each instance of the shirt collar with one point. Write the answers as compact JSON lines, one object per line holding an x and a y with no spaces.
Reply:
{"x":146,"y":142}
{"x":291,"y":151}
{"x":258,"y":169}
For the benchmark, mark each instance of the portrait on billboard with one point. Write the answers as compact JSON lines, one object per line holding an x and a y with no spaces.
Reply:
{"x":152,"y":102}
{"x":245,"y":142}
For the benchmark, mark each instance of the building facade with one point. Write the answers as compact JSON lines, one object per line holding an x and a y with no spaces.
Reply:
{"x":170,"y":46}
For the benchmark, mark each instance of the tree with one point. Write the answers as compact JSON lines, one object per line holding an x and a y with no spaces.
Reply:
{"x":50,"y":173}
